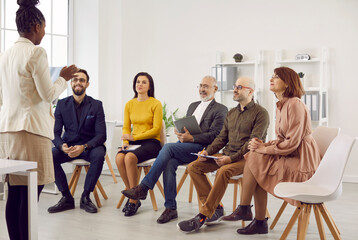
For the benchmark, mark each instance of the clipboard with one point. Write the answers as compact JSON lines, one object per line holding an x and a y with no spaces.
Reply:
{"x":189,"y":123}
{"x":205,"y":156}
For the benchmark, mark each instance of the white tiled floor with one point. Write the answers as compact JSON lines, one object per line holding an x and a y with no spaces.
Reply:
{"x":110,"y":223}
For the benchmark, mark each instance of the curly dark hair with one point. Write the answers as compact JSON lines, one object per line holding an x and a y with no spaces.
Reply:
{"x":28,"y":15}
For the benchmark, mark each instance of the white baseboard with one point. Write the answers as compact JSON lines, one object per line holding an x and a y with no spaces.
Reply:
{"x":350,"y":178}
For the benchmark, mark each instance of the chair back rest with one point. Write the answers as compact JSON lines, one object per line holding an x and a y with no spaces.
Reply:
{"x":330,"y":171}
{"x":163,"y":135}
{"x":323,"y":137}
{"x":110,"y":126}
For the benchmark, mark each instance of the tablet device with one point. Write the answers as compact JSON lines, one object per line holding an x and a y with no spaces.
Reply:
{"x":205,"y":156}
{"x":190,"y":123}
{"x":130,"y":148}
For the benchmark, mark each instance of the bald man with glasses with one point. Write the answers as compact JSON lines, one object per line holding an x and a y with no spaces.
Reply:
{"x":248,"y":120}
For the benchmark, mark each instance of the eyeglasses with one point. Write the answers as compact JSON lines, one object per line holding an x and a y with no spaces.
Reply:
{"x":81,"y":80}
{"x":239,"y":87}
{"x":275,"y":76}
{"x":204,"y":86}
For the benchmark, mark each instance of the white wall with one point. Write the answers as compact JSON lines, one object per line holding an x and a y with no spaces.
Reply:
{"x":86,"y":40}
{"x":176,"y":42}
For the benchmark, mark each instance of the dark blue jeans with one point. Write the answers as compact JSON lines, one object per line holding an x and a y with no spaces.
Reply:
{"x":169,"y":158}
{"x":95,"y":156}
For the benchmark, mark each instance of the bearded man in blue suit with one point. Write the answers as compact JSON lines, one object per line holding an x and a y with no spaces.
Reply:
{"x":80,"y":132}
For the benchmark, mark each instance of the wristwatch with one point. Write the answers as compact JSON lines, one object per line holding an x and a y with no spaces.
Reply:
{"x":85,"y":147}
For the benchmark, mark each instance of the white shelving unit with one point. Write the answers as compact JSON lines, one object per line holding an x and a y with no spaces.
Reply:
{"x":315,"y":83}
{"x":251,"y":68}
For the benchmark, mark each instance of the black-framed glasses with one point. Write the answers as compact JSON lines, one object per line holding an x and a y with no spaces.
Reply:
{"x":81,"y":80}
{"x":239,"y":87}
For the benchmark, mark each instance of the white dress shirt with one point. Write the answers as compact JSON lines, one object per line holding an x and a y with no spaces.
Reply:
{"x":200,"y":109}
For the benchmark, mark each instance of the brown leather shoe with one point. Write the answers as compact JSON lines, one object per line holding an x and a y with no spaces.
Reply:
{"x":255,"y":227}
{"x":241,"y":213}
{"x":136,"y":193}
{"x":167,"y":215}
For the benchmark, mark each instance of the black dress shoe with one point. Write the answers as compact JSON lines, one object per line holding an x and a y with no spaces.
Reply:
{"x":132,"y":208}
{"x":192,"y":224}
{"x":63,"y":205}
{"x":124,"y":209}
{"x":88,"y":205}
{"x":241,"y":213}
{"x":167,"y":215}
{"x":136,"y":193}
{"x":255,"y":227}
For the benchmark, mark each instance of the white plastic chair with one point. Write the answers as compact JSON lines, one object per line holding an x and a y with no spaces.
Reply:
{"x":325,"y":185}
{"x":323,"y":137}
{"x":146,"y":165}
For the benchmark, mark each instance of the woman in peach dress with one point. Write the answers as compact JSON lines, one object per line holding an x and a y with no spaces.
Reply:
{"x":292,"y":157}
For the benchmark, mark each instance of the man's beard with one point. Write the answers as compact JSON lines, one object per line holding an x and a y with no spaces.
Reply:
{"x":207,"y":98}
{"x":78,"y":92}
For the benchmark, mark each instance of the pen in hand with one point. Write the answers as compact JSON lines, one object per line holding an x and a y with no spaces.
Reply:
{"x":200,"y":158}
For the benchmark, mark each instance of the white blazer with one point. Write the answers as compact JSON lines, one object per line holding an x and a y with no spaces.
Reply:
{"x":26,"y":90}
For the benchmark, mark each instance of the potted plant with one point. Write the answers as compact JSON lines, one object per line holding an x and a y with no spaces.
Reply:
{"x":167,"y":117}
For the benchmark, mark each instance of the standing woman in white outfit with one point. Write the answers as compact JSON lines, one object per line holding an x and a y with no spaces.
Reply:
{"x":26,"y":118}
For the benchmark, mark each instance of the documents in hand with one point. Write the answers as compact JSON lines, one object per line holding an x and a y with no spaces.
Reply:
{"x":130,"y":148}
{"x":189,"y":123}
{"x":205,"y":156}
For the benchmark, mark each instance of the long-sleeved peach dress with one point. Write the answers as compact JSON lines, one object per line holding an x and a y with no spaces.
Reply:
{"x":293,"y":156}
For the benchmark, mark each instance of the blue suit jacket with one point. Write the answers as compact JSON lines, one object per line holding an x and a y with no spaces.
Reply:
{"x":91,"y":128}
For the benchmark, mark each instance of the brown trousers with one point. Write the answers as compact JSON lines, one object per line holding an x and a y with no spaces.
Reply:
{"x":209,"y":196}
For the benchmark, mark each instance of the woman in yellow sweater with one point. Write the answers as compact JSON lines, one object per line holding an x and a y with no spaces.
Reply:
{"x":144,"y":114}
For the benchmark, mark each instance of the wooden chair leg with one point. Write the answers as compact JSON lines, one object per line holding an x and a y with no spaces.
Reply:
{"x":181,"y":182}
{"x":160,"y":187}
{"x":72,"y":179}
{"x":191,"y":189}
{"x":239,"y":182}
{"x":301,"y":233}
{"x":330,"y":216}
{"x":234,"y":202}
{"x":199,"y":202}
{"x":95,"y":193}
{"x":121,"y":201}
{"x":329,"y":221}
{"x":99,"y":185}
{"x":139,"y":173}
{"x":290,"y":224}
{"x":109,"y":164}
{"x":299,"y":222}
{"x":319,"y":222}
{"x":268,"y":213}
{"x":278,"y":215}
{"x":151,"y":192}
{"x":77,"y":176}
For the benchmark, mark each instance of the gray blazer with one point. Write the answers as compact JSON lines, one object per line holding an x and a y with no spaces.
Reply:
{"x":211,"y":122}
